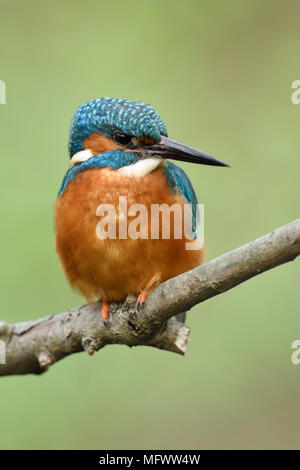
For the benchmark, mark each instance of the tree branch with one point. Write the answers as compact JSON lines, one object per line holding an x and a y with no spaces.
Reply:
{"x":31,"y":347}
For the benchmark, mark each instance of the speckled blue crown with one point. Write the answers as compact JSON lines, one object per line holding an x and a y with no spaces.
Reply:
{"x":108,"y":114}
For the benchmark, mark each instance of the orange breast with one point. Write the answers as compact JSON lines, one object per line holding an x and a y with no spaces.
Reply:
{"x":113,"y":268}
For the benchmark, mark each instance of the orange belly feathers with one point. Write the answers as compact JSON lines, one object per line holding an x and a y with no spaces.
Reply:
{"x":111,"y":269}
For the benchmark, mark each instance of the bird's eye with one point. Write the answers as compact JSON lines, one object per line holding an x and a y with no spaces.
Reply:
{"x":121,"y":138}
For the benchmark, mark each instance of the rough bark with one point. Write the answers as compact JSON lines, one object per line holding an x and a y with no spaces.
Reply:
{"x":31,"y":347}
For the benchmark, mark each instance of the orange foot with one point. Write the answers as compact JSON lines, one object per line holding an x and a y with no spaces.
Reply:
{"x":105,"y":311}
{"x":142,"y":298}
{"x":154,"y":281}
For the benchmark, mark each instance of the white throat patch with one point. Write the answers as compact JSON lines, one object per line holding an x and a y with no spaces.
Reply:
{"x":80,"y":157}
{"x":137,"y":170}
{"x":142,"y":167}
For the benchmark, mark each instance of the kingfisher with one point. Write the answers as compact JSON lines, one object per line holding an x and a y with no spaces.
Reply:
{"x":119,"y":148}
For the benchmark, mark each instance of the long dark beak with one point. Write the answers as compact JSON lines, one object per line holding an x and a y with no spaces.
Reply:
{"x":168,"y":148}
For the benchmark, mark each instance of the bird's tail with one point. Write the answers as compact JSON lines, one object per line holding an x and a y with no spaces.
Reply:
{"x":181,"y":317}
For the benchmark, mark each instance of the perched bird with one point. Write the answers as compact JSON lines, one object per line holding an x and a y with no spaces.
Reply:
{"x":120,"y":148}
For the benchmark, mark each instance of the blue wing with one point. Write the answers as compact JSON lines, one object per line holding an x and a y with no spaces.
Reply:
{"x":179,"y":181}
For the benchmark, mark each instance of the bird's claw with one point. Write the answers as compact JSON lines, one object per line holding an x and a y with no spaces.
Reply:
{"x":140,"y":301}
{"x":138,"y":307}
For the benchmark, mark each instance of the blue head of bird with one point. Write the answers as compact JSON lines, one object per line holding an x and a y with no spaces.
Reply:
{"x":122,"y":134}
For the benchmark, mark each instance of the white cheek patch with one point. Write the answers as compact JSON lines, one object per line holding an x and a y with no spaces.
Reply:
{"x":142,"y":167}
{"x":80,"y":157}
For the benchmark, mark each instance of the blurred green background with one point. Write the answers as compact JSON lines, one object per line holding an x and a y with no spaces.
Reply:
{"x":220,"y":75}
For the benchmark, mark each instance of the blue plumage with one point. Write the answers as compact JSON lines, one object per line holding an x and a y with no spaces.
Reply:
{"x":108,"y":114}
{"x":179,"y":181}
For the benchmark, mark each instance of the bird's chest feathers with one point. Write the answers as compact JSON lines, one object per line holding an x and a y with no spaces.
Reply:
{"x":141,"y":183}
{"x":87,"y":201}
{"x":125,"y":263}
{"x":80,"y":208}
